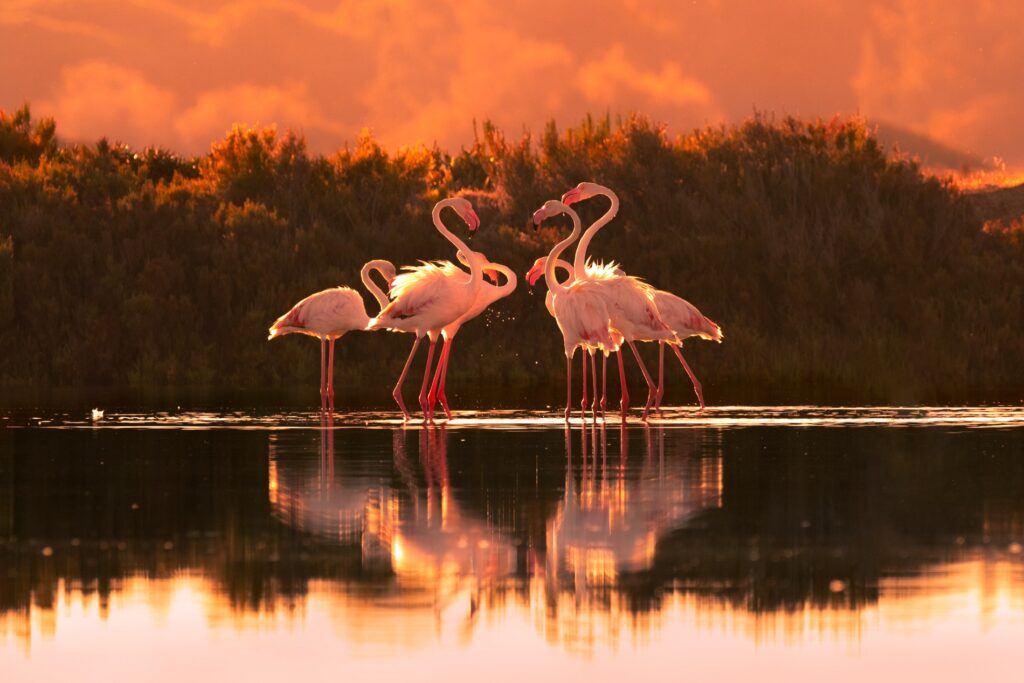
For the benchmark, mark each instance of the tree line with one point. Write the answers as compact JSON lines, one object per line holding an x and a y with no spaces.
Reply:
{"x":837,"y":270}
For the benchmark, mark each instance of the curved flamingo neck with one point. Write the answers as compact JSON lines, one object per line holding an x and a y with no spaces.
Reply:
{"x":510,"y":280}
{"x":554,"y":286}
{"x":382,"y":267}
{"x":580,"y":262}
{"x":474,"y":272}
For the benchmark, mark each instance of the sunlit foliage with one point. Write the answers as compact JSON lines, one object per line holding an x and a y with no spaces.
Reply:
{"x":835,"y":269}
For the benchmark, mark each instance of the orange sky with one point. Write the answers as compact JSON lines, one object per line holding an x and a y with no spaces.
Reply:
{"x":180,"y":72}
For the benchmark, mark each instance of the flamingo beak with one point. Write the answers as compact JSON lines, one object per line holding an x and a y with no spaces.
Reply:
{"x":472,"y":220}
{"x":539,"y":216}
{"x":534,"y":274}
{"x":572,"y":196}
{"x":491,"y":275}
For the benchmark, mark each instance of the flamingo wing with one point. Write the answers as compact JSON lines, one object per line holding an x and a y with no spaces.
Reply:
{"x":684,"y":318}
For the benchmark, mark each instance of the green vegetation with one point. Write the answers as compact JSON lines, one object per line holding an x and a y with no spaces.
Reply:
{"x":837,"y":271}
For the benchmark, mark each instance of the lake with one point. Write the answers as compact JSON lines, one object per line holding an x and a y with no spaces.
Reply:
{"x":790,"y":543}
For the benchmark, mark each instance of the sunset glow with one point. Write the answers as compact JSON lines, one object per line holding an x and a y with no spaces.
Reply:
{"x":179,"y":74}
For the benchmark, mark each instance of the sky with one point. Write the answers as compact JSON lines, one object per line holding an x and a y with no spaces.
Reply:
{"x":180,"y":73}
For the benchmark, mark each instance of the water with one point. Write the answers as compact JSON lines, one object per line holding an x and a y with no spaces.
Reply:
{"x":793,"y":543}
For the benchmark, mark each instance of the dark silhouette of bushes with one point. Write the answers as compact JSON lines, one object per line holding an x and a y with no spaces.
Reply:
{"x":838,"y":271}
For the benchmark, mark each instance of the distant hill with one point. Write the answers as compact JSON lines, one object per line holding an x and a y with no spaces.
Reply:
{"x":1002,"y":203}
{"x":928,"y":151}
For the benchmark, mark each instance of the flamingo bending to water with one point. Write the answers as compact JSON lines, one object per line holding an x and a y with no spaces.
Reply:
{"x":579,"y":308}
{"x":431,"y":296}
{"x":329,"y":315}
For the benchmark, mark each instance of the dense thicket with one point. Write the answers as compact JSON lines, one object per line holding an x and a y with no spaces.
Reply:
{"x":834,"y":268}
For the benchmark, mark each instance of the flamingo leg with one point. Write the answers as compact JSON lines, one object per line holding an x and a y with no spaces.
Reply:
{"x":568,"y":386}
{"x":693,"y":378}
{"x":397,"y":392}
{"x":426,"y":378}
{"x":437,"y":385}
{"x":651,"y":389}
{"x":604,"y":382}
{"x":661,"y":376}
{"x":593,"y":383}
{"x":444,"y":378}
{"x":624,"y":402}
{"x":323,"y":365}
{"x":330,"y":377}
{"x":583,"y":402}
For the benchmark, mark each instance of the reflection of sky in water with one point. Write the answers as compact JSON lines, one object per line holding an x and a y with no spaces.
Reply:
{"x":608,"y":552}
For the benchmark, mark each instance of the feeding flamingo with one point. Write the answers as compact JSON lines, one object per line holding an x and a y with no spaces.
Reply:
{"x":685,"y":321}
{"x":329,"y":315}
{"x":431,"y":296}
{"x":579,"y":308}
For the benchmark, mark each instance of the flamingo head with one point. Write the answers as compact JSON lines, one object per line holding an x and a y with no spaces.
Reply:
{"x":466,"y":212}
{"x":552,"y":207}
{"x":387,"y":269}
{"x":536,"y":270}
{"x":491,"y":274}
{"x":582,"y":191}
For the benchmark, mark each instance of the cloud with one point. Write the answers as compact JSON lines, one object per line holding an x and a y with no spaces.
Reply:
{"x":26,"y":13}
{"x":96,"y":99}
{"x":944,"y":72}
{"x":290,"y":106}
{"x":602,"y":80}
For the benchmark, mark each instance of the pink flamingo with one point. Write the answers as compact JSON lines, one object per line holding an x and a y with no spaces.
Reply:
{"x":681,"y":316}
{"x":486,"y":295}
{"x":329,"y":315}
{"x":431,"y":296}
{"x":579,"y":308}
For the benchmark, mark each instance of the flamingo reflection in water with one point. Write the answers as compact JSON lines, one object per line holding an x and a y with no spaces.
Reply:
{"x":340,"y":507}
{"x":439,"y":546}
{"x":609,"y":523}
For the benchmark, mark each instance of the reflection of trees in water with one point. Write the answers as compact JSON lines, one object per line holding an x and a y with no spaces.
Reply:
{"x":759,"y":521}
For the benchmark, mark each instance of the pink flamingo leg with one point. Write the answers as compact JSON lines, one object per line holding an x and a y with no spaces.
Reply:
{"x":568,"y":386}
{"x":624,"y":402}
{"x":426,"y":378}
{"x":583,"y":402}
{"x":444,"y":378}
{"x":397,"y":392}
{"x":323,"y":367}
{"x":330,"y":377}
{"x":661,"y":376}
{"x":693,"y":378}
{"x":604,"y":382}
{"x":440,"y":374}
{"x":593,"y":383}
{"x":651,"y":389}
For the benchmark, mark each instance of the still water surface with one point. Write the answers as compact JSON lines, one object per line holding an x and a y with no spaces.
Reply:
{"x":770,"y":543}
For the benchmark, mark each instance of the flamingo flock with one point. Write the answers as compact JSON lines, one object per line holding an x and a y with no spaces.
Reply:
{"x":598,"y":308}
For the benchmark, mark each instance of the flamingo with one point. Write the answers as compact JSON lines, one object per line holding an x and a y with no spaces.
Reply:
{"x":579,"y":308}
{"x":682,"y":317}
{"x":329,"y":315}
{"x":431,"y":296}
{"x":487,"y":295}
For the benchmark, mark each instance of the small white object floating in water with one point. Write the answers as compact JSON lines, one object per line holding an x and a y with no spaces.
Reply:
{"x":97,"y":414}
